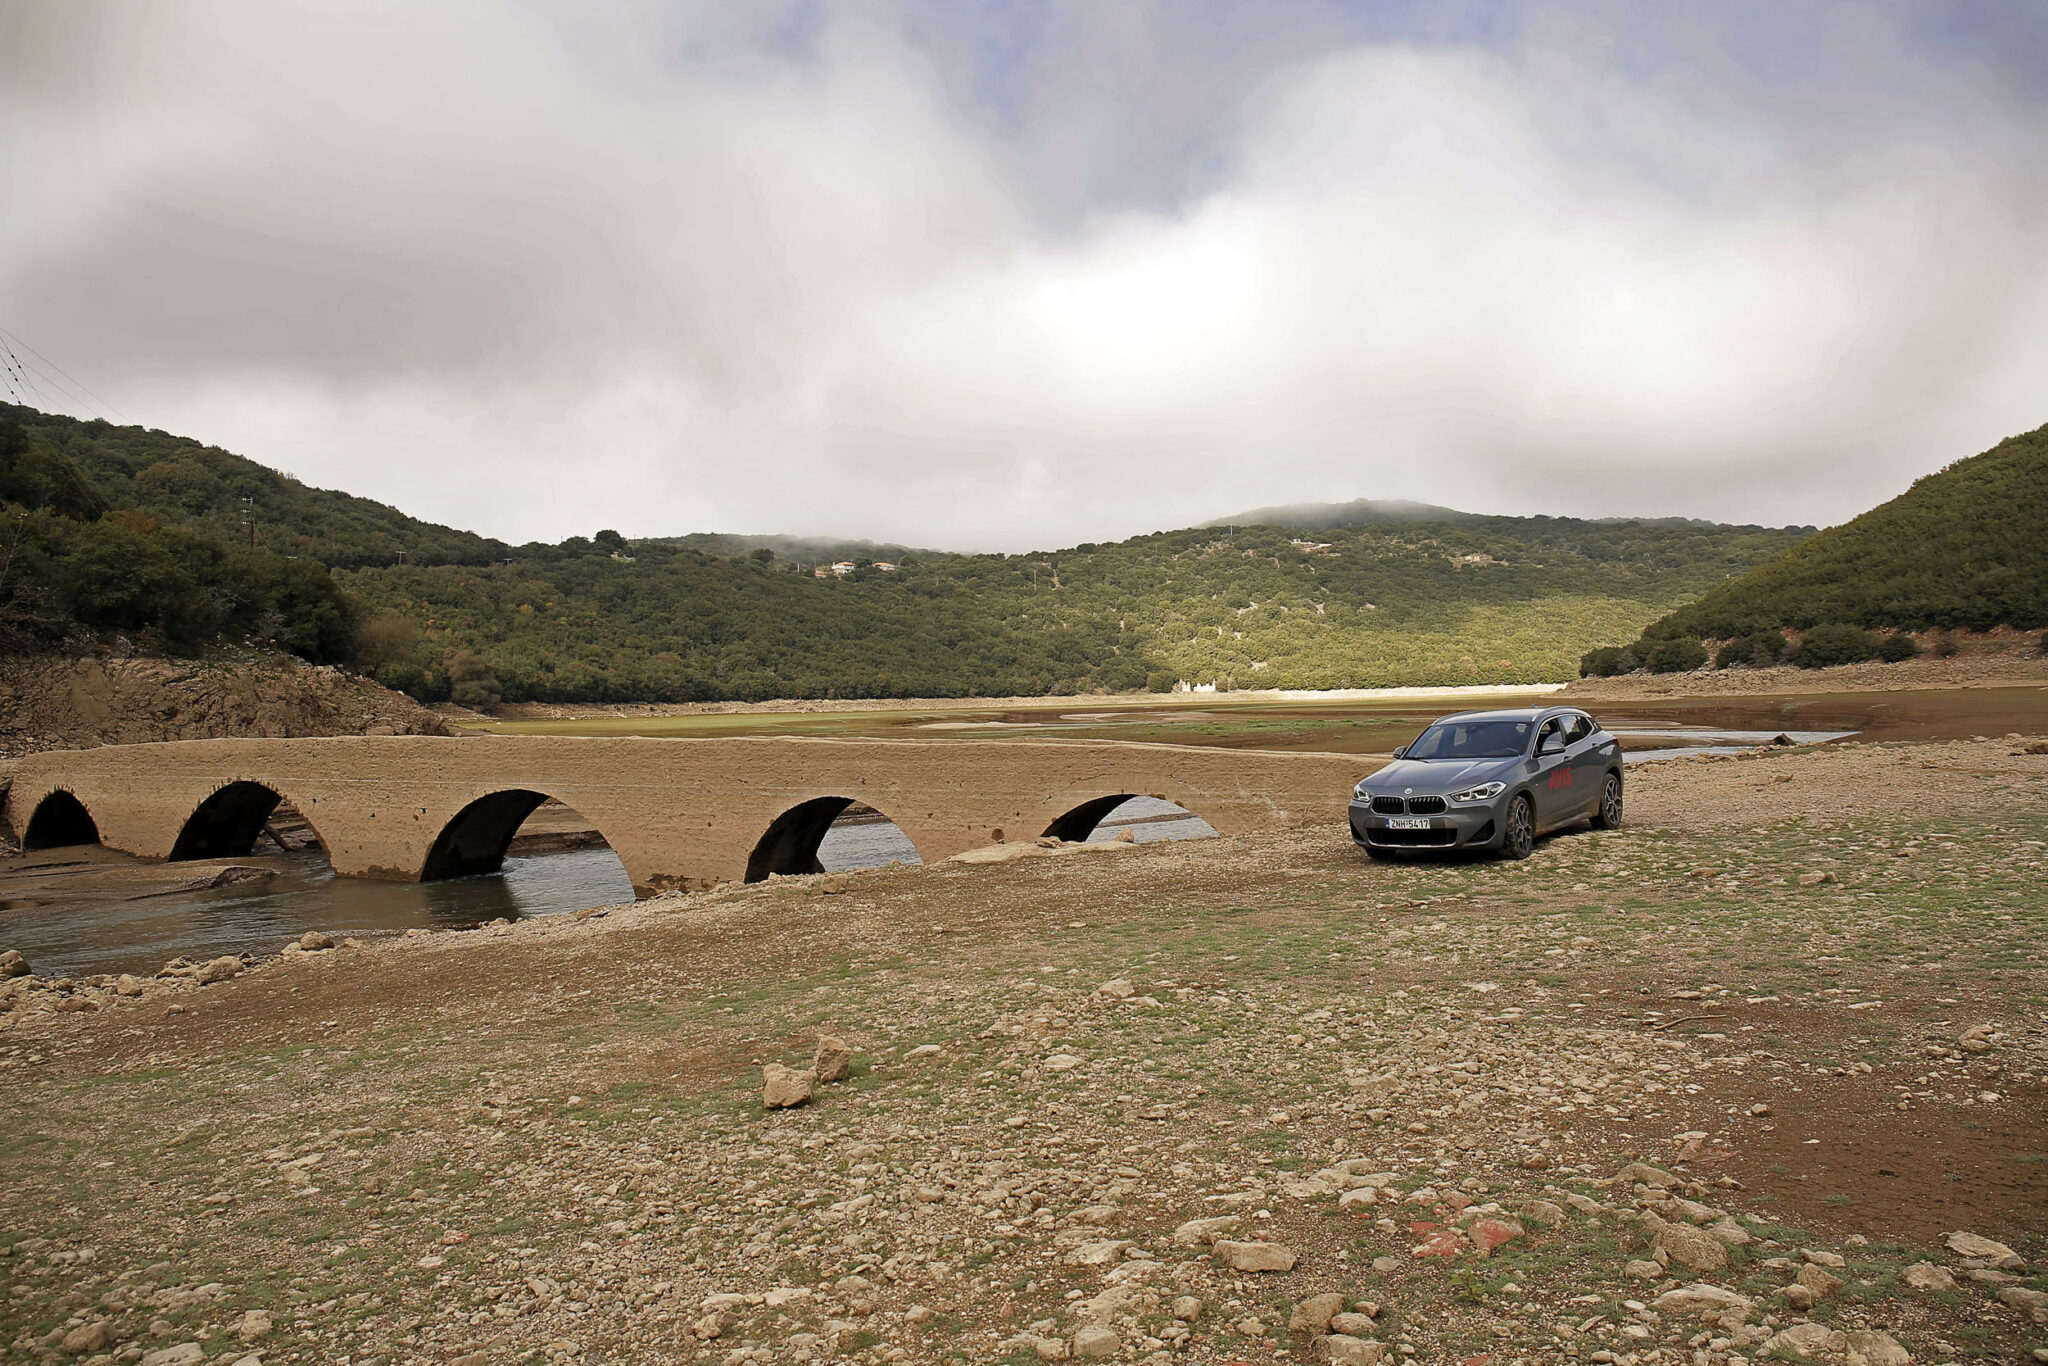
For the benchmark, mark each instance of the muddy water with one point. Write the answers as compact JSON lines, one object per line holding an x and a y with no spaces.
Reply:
{"x":75,"y":912}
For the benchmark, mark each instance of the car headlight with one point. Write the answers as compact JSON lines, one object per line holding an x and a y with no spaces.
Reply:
{"x":1485,"y":792}
{"x":1360,"y":792}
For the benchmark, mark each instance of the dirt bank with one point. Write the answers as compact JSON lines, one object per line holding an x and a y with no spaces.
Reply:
{"x":1803,"y":989}
{"x":1983,"y":670}
{"x":61,"y":703}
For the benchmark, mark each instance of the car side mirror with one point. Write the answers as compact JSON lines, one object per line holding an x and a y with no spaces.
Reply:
{"x":1401,"y":753}
{"x":1550,"y":744}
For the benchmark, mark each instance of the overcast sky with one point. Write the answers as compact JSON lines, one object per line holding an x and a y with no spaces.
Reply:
{"x":981,"y":275}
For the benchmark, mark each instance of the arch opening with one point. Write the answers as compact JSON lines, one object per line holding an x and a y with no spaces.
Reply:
{"x":829,"y":835}
{"x":228,"y":823}
{"x":1140,"y":819}
{"x":522,"y":825}
{"x":60,"y":820}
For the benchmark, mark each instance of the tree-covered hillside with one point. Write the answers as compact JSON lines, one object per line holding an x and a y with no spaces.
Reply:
{"x":186,"y":546}
{"x":1962,"y":549}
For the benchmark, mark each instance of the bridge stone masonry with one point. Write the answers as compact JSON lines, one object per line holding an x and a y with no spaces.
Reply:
{"x":680,"y":814}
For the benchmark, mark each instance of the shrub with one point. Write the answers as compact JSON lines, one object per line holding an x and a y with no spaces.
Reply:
{"x":1898,"y":647}
{"x":1607,"y":661}
{"x":1681,"y":654}
{"x":1945,"y":646}
{"x":471,"y":682}
{"x":1827,"y":645}
{"x":1760,"y":650}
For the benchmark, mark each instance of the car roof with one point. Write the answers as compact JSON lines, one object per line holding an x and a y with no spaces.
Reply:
{"x":1507,"y":714}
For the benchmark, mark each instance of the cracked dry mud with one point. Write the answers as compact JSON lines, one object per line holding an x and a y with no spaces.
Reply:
{"x":1716,"y":1087}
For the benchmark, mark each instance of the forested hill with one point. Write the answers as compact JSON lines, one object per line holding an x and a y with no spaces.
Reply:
{"x":1962,"y":549}
{"x":183,"y":483}
{"x":184,"y":547}
{"x":1480,"y":600}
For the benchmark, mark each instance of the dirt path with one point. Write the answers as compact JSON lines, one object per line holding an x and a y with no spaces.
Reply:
{"x":1806,"y":991}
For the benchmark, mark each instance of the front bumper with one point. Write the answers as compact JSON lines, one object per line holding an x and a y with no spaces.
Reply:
{"x":1461,"y":827}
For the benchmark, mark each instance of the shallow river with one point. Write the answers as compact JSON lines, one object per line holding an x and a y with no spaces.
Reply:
{"x":77,"y":932}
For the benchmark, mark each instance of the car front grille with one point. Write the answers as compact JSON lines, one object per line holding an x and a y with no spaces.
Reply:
{"x":1413,"y":806}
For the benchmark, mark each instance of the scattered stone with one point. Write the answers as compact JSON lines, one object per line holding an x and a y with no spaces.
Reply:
{"x":1705,"y":1301}
{"x":1876,"y":1349}
{"x":2032,"y":1303}
{"x":184,"y":1354}
{"x":1187,"y":1308}
{"x":89,"y":1338}
{"x":1488,"y":1234}
{"x":1201,"y":1232}
{"x":1341,"y":1349}
{"x":1690,"y":1247}
{"x":1803,"y":1340}
{"x":312,"y":941}
{"x":1543,"y":1212}
{"x":1096,"y":1343}
{"x":1445,"y":1242}
{"x":1980,"y":1251}
{"x":1116,"y":989}
{"x":1313,"y":1314}
{"x":1356,"y":1325}
{"x":254,"y":1326}
{"x":833,"y":1060}
{"x":127,"y":985}
{"x":1927,"y":1276}
{"x":1834,"y":1260}
{"x":784,"y":1087}
{"x":1646,"y":1174}
{"x":12,"y":964}
{"x":1730,"y":1232}
{"x":918,"y":1315}
{"x":1254,"y":1256}
{"x":1644,"y":1270}
{"x":219,"y":970}
{"x":1100,"y":1252}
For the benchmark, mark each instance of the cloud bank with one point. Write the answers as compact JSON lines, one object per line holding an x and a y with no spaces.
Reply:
{"x":1013,"y":277}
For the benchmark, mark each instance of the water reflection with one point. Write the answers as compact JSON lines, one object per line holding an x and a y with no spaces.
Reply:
{"x":78,"y":935}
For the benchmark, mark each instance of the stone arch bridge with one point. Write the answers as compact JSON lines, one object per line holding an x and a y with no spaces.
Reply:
{"x":679,"y":813}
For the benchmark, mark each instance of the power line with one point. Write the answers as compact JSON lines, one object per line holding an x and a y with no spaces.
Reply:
{"x":92,"y":398}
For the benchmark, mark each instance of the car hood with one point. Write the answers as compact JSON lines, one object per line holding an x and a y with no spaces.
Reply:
{"x":1442,"y":776}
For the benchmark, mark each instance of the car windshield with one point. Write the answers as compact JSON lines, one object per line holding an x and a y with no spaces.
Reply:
{"x":1471,"y":740}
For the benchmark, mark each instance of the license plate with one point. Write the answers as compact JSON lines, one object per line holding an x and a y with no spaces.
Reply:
{"x":1408,"y":823}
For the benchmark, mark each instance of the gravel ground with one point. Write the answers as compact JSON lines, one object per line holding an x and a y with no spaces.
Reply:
{"x":1721,"y":1086}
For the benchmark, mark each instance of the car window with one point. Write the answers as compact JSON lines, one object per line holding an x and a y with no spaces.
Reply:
{"x":1554,"y":726}
{"x":1577,"y":728}
{"x":1472,"y":740}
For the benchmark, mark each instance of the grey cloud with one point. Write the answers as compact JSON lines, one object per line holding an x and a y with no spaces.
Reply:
{"x":1041,"y":274}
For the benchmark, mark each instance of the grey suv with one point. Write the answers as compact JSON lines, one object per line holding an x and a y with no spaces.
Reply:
{"x":1491,"y":780}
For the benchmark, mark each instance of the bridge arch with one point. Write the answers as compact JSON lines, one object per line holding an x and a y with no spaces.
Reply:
{"x":228,"y":822}
{"x":791,"y":844}
{"x":1077,"y":824}
{"x":477,"y":838}
{"x":59,"y":820}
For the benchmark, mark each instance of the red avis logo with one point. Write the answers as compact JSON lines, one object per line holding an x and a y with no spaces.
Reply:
{"x":1560,"y":777}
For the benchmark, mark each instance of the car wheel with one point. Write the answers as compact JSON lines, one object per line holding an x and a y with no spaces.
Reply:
{"x":1519,"y":841}
{"x":1608,"y":817}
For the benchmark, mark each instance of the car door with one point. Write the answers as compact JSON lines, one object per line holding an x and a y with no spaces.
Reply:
{"x":1588,"y":756}
{"x":1553,"y":785}
{"x":1592,"y":751}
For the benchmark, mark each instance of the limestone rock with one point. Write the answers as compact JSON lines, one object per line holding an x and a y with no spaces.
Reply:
{"x":1352,"y":1325}
{"x":1096,"y":1343}
{"x":254,"y":1325}
{"x":1648,"y":1175}
{"x":1927,"y":1276}
{"x":1689,"y":1247}
{"x":1341,"y":1349}
{"x":1701,"y":1300}
{"x":1116,"y":989}
{"x":89,"y":1338}
{"x":2032,"y":1303}
{"x":1804,"y":1340}
{"x":127,"y":985}
{"x":1729,"y":1232}
{"x":1200,"y":1232}
{"x":219,"y":970}
{"x":1543,"y":1212}
{"x":1877,"y":1349}
{"x":1819,"y":1280}
{"x":1254,"y":1256}
{"x":184,"y":1354}
{"x":1980,"y":1251}
{"x":312,"y":941}
{"x":1187,"y":1308}
{"x":1100,"y":1252}
{"x":1488,"y":1234}
{"x":784,"y":1087}
{"x":834,"y":1059}
{"x":12,"y":964}
{"x":1313,"y":1314}
{"x":1044,"y":1348}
